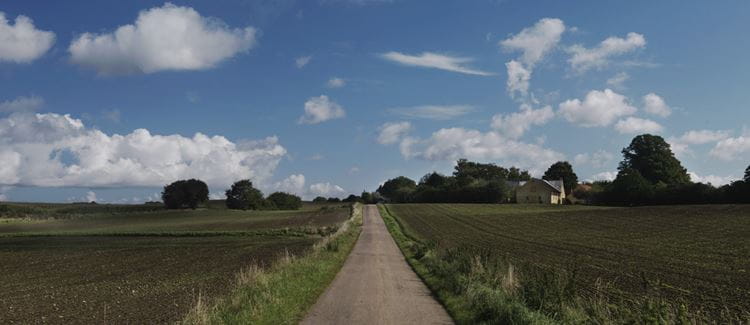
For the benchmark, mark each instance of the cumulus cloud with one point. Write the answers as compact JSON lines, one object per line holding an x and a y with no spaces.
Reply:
{"x":536,"y":41}
{"x":634,"y":125}
{"x":336,"y":83}
{"x":433,"y":112}
{"x":57,"y":150}
{"x":90,"y":196}
{"x":22,"y":42}
{"x":516,"y":124}
{"x":435,"y":61}
{"x":320,"y":109}
{"x":655,"y":105}
{"x":162,"y":38}
{"x":393,"y":132}
{"x":326,"y":189}
{"x":533,"y":43}
{"x":302,"y":61}
{"x":455,"y":143}
{"x":21,"y":104}
{"x":583,"y":59}
{"x":681,"y":145}
{"x":711,"y":179}
{"x":599,"y":108}
{"x":732,"y":148}
{"x":604,"y":176}
{"x":596,"y":159}
{"x":294,"y":184}
{"x":618,"y":81}
{"x":519,"y":78}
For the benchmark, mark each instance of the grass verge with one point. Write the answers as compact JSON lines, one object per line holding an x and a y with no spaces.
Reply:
{"x":283,"y":292}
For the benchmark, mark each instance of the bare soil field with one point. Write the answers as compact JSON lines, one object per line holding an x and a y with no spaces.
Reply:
{"x":140,"y":267}
{"x":699,"y":255}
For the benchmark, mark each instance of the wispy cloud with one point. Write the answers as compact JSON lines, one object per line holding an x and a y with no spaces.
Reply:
{"x":435,"y":61}
{"x":433,"y":112}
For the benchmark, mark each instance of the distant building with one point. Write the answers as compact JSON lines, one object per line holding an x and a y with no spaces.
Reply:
{"x":539,"y":191}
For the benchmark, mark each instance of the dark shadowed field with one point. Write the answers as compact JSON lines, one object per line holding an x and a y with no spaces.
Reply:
{"x":121,"y":264}
{"x":696,"y":255}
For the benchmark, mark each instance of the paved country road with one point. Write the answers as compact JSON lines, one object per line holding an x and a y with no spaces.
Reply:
{"x":376,"y":285}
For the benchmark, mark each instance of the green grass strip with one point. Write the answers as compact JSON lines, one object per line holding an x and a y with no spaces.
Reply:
{"x":283,"y":293}
{"x":456,"y":305}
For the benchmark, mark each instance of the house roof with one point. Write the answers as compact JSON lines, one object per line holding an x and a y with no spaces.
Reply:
{"x":556,"y":186}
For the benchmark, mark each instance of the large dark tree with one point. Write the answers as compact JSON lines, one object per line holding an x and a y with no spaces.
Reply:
{"x":747,"y":174}
{"x":652,"y":157}
{"x":517,"y":175}
{"x":183,"y":193}
{"x":562,"y":170}
{"x":319,"y":199}
{"x":398,"y":189}
{"x":244,"y":196}
{"x":284,"y":201}
{"x":434,"y":180}
{"x":631,"y":188}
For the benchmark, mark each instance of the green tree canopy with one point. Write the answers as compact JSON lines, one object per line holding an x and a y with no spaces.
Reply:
{"x":398,"y":189}
{"x":747,"y":174}
{"x":652,"y":157}
{"x":631,"y":188}
{"x":562,"y":170}
{"x":244,"y":196}
{"x":434,"y":179}
{"x":319,"y":199}
{"x":285,"y":201}
{"x":182,"y":193}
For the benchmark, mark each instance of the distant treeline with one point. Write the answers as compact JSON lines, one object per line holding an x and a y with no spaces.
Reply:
{"x":242,"y":195}
{"x":649,"y":174}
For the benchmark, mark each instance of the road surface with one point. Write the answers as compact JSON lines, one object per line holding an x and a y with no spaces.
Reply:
{"x":376,"y":285}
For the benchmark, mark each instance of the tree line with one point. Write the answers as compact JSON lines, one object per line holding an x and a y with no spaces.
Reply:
{"x":242,"y":195}
{"x":649,"y":174}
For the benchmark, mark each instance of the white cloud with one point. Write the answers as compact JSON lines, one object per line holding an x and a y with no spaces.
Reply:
{"x":732,"y":148}
{"x":518,"y":78}
{"x":597,"y":159}
{"x":336,"y":83}
{"x":320,"y":109}
{"x":393,"y":132}
{"x":583,"y":59}
{"x":655,"y":105}
{"x":326,"y":189}
{"x":681,"y":145}
{"x":536,"y":41}
{"x":455,"y":143}
{"x":21,"y":104}
{"x":634,"y":125}
{"x":90,"y":197}
{"x":604,"y":176}
{"x":433,"y":112}
{"x":112,"y":115}
{"x":3,"y":192}
{"x":317,"y":156}
{"x":435,"y":61}
{"x":302,"y":61}
{"x":618,"y":81}
{"x":22,"y":42}
{"x":57,"y":150}
{"x":162,"y":38}
{"x":516,"y":124}
{"x":354,"y":170}
{"x":294,"y":184}
{"x":711,"y":179}
{"x":599,"y":108}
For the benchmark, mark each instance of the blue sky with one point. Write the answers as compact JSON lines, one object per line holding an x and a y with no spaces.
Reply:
{"x":332,"y":97}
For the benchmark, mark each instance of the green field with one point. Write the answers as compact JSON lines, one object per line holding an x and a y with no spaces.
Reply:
{"x":138,"y":264}
{"x":693,"y":260}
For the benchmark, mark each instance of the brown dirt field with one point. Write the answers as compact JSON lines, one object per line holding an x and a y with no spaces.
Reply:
{"x":139,"y":280}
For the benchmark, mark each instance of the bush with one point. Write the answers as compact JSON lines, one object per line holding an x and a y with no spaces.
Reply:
{"x":243,"y":196}
{"x":285,"y":201}
{"x":319,"y":199}
{"x":183,"y":193}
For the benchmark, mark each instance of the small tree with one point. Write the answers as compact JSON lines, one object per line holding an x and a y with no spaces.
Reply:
{"x":562,"y":170}
{"x":182,"y":193}
{"x":747,"y":175}
{"x":333,"y":200}
{"x":319,"y":199}
{"x":244,"y":196}
{"x":398,"y":189}
{"x":285,"y":201}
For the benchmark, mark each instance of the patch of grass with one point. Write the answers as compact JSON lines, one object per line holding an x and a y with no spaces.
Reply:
{"x":282,"y":293}
{"x":532,"y":264}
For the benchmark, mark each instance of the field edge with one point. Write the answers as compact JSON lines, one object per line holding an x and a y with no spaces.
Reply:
{"x":283,"y":293}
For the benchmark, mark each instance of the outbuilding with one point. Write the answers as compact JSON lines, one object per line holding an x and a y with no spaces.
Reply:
{"x":541,"y":191}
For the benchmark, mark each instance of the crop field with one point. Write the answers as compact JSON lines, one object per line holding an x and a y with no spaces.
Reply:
{"x":138,"y":264}
{"x":698,"y":256}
